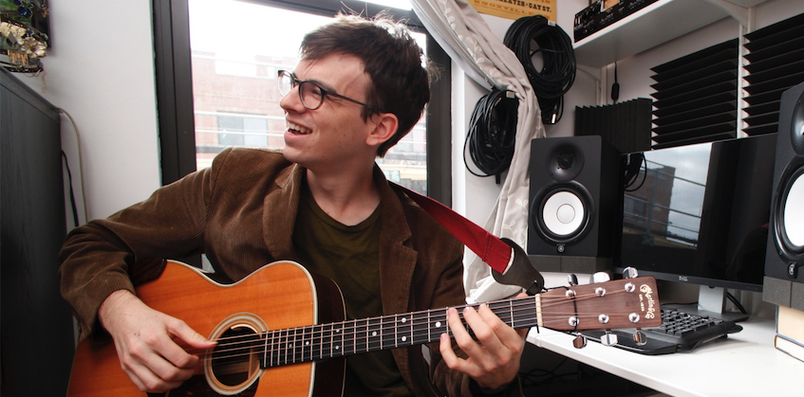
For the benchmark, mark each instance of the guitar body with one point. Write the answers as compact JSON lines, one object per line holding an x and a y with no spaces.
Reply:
{"x":279,"y":295}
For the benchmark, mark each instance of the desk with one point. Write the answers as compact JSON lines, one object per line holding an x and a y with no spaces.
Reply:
{"x":744,"y":364}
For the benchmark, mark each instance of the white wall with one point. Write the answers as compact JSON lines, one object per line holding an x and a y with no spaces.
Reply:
{"x":100,"y":70}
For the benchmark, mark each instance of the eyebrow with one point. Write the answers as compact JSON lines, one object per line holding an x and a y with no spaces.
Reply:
{"x":320,"y":83}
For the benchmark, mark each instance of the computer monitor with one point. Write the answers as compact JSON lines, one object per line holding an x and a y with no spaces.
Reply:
{"x":699,"y":214}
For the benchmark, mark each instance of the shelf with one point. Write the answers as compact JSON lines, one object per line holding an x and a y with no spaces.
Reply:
{"x":649,"y":27}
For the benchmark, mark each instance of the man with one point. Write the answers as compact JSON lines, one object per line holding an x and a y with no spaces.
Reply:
{"x":360,"y":86}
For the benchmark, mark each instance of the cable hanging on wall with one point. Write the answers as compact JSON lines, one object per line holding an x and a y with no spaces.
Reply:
{"x":558,"y":61}
{"x":492,"y":134}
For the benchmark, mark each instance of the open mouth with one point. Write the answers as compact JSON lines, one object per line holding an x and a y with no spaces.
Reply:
{"x":297,"y":129}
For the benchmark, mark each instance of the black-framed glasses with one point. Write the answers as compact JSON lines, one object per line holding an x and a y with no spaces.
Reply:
{"x":311,"y":94}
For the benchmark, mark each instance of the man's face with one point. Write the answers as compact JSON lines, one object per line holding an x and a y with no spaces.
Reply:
{"x":335,"y":133}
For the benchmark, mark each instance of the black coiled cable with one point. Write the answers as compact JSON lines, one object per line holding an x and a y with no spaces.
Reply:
{"x":559,"y":67}
{"x":492,"y":133}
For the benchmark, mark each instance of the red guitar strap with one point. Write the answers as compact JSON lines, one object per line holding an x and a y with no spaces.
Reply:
{"x":508,"y":260}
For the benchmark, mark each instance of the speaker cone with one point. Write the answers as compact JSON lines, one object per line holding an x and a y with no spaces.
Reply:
{"x":562,"y":212}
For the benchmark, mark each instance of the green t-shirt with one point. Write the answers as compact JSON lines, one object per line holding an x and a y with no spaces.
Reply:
{"x":349,"y":255}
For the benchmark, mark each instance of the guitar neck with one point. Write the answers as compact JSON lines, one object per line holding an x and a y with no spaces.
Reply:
{"x":320,"y":342}
{"x":627,"y":303}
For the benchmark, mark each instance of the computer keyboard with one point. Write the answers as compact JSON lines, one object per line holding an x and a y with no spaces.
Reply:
{"x":679,"y":332}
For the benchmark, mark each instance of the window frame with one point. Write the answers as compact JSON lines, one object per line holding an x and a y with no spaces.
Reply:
{"x":174,"y":89}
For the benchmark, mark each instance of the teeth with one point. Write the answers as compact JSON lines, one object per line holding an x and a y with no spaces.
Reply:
{"x":298,"y":129}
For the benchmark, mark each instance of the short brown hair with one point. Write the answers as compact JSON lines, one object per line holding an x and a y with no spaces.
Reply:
{"x":399,"y":72}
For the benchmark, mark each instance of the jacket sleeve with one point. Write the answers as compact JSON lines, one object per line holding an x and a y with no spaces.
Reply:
{"x":101,"y":256}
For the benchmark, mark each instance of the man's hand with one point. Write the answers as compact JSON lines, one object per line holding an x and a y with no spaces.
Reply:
{"x":493,"y":359}
{"x":147,"y":343}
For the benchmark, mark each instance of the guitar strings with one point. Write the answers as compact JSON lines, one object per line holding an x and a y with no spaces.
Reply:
{"x":349,"y":330}
{"x":356,"y":332}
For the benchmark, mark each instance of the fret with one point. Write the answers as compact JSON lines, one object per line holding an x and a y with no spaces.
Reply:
{"x":374,"y":334}
{"x":512,"y":322}
{"x":347,"y":338}
{"x":283,"y":352}
{"x":357,"y":338}
{"x":437,"y":324}
{"x":527,"y":312}
{"x":325,"y":346}
{"x":325,"y":342}
{"x":419,"y":326}
{"x":396,"y":330}
{"x":265,"y":349}
{"x":338,"y":335}
{"x":309,"y":343}
{"x":387,"y":338}
{"x":290,"y":347}
{"x":502,"y":310}
{"x":297,"y":345}
{"x":404,"y":331}
{"x":429,"y":326}
{"x":274,"y":353}
{"x":273,"y":361}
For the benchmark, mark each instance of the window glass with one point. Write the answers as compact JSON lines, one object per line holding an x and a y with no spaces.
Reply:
{"x":237,"y":48}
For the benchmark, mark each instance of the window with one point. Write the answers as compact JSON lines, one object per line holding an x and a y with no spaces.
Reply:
{"x":232,"y":85}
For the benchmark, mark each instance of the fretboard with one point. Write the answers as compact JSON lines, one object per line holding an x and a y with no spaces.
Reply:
{"x":321,"y":342}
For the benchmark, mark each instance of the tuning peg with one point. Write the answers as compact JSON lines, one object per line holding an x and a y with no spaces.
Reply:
{"x":600,"y":277}
{"x":608,"y":339}
{"x":630,"y":272}
{"x":579,"y":342}
{"x":639,"y":338}
{"x":572,"y":279}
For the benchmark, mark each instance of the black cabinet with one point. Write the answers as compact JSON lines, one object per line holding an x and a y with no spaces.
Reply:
{"x":36,"y":327}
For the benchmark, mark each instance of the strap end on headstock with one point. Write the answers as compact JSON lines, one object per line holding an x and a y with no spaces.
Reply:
{"x":521,"y":272}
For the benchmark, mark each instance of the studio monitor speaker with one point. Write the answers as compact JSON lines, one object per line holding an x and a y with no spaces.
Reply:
{"x":573,"y":197}
{"x":784,"y":256}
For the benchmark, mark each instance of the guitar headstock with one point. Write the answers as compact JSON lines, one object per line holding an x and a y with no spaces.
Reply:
{"x":626,"y":303}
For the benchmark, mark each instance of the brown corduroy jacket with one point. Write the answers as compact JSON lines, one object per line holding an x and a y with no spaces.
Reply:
{"x":241,"y":212}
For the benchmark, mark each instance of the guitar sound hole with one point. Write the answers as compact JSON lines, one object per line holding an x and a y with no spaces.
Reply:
{"x":236,"y":357}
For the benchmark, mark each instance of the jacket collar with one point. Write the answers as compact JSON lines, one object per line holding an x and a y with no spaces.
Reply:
{"x":397,"y":257}
{"x":279,"y":212}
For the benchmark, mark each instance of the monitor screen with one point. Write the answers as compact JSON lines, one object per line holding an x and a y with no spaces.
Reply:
{"x":699,"y":213}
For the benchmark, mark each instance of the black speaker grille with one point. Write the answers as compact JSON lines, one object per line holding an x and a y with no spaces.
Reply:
{"x":775,"y":63}
{"x":696,"y":97}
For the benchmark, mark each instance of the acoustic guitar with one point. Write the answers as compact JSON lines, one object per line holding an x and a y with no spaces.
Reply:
{"x":281,"y":332}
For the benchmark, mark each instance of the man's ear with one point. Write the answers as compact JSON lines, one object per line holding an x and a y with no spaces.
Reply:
{"x":385,"y":126}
